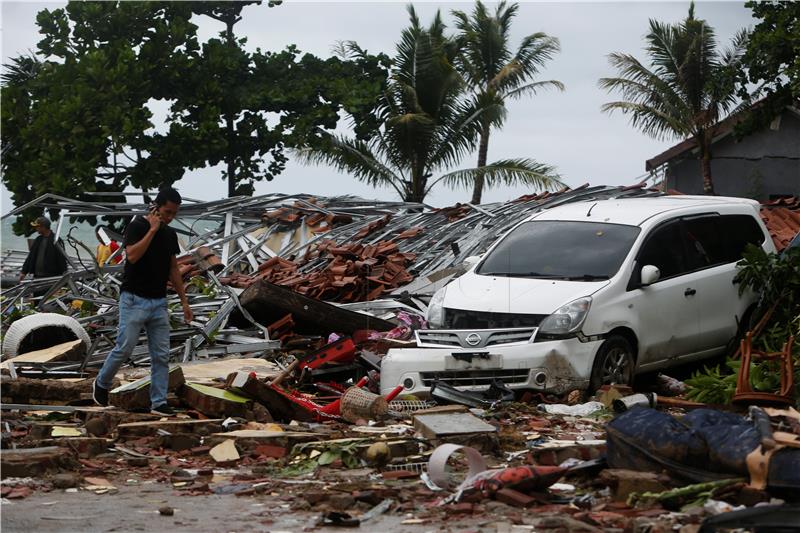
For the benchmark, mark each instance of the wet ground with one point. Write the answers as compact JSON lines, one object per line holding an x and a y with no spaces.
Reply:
{"x":136,"y":508}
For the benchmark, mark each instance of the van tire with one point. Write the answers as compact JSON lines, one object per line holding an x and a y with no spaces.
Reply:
{"x":615,"y":351}
{"x":40,"y":331}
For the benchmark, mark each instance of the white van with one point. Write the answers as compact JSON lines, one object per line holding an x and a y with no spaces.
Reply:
{"x":589,"y":293}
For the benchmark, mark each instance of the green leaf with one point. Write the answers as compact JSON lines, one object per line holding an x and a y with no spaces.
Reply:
{"x":328,"y":456}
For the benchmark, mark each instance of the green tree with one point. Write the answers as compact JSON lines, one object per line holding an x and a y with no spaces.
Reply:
{"x":243,"y":109}
{"x":427,"y":123}
{"x":771,"y":65}
{"x":496,"y":74}
{"x":77,"y":116}
{"x":687,"y":89}
{"x":80,"y":122}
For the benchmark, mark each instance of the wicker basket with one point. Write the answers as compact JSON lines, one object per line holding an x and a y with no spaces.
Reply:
{"x":359,"y":404}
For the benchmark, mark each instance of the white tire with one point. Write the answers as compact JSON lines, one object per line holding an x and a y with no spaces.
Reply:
{"x":40,"y":331}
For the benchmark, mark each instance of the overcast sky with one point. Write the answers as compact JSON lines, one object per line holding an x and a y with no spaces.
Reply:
{"x":562,"y":129}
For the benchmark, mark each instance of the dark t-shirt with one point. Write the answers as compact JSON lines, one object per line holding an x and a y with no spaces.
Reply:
{"x":148,"y":276}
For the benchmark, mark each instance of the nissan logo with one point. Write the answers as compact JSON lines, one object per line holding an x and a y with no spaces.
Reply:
{"x":473,"y":339}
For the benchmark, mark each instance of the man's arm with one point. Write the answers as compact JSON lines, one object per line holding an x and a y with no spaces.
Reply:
{"x":61,"y":257}
{"x":177,"y":284}
{"x":27,"y":266}
{"x":135,"y":251}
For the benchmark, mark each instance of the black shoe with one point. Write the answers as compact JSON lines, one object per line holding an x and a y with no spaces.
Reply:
{"x":163,"y":410}
{"x":99,"y":394}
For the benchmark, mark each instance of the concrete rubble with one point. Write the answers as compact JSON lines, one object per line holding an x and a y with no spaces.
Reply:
{"x":276,"y":383}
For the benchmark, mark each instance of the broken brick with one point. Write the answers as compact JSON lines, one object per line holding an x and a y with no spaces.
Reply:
{"x":266,"y":450}
{"x":514,"y":498}
{"x":400,"y":474}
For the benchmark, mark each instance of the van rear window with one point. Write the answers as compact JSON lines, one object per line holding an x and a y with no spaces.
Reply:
{"x":559,"y":249}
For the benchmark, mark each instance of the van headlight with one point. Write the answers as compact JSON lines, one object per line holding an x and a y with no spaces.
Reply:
{"x":567,"y":319}
{"x":435,"y":314}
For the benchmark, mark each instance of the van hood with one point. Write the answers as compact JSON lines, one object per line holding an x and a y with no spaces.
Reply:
{"x":495,"y":294}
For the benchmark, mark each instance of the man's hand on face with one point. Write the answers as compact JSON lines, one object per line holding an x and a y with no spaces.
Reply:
{"x":154,"y":219}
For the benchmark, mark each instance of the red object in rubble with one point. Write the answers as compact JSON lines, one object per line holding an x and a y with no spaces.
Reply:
{"x":341,"y":351}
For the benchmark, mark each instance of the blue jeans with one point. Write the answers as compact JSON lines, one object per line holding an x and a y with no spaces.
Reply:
{"x":137,"y":313}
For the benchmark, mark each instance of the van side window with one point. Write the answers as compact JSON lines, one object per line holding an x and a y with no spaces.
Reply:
{"x":739,"y":231}
{"x":718,"y":240}
{"x":705,"y":246}
{"x":664,"y":249}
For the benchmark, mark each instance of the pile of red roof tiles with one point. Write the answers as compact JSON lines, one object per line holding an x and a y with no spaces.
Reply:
{"x":782,"y":218}
{"x":319,"y":222}
{"x":354,"y":272}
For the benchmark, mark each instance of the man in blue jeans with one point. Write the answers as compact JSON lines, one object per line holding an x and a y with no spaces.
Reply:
{"x":150,"y":249}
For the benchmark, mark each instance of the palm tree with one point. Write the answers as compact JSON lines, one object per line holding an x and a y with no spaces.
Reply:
{"x":686,"y":91}
{"x":496,"y":74}
{"x":427,"y":125}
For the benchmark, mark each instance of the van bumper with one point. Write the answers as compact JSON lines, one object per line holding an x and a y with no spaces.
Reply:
{"x":555,"y":366}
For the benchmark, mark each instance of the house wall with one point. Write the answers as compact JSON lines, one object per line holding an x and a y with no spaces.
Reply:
{"x":762,"y":165}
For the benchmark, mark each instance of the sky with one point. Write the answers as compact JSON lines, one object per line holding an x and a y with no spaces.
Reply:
{"x":564,"y":129}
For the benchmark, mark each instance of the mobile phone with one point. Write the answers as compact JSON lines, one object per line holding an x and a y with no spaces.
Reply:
{"x":153,"y":210}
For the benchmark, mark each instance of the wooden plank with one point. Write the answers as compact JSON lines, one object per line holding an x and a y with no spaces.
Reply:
{"x":69,"y":351}
{"x":211,"y":372}
{"x":268,"y":302}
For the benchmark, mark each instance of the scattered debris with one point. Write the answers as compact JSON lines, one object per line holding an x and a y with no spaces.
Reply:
{"x":278,"y":392}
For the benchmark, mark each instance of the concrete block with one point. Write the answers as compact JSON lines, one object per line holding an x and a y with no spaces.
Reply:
{"x":215,"y":402}
{"x":34,"y":462}
{"x":136,"y":395}
{"x":624,"y":482}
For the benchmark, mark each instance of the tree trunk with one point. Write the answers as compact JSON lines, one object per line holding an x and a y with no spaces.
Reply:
{"x":229,"y":126}
{"x":419,"y":180}
{"x":229,"y":157}
{"x":705,"y":162}
{"x":477,"y":190}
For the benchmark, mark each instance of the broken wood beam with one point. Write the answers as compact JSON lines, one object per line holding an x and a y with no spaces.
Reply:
{"x":267,"y":303}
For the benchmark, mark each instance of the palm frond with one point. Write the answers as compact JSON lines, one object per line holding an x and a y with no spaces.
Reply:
{"x":521,"y":171}
{"x":646,"y":92}
{"x":21,"y":69}
{"x":535,"y":50}
{"x":651,"y":121}
{"x":534,"y":87}
{"x":458,"y":137}
{"x":351,"y":156}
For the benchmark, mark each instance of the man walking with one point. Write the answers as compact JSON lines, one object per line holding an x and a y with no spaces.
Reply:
{"x":46,"y":258}
{"x":150,"y":248}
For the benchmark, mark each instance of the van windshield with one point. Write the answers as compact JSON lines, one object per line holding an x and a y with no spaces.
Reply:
{"x":559,"y":249}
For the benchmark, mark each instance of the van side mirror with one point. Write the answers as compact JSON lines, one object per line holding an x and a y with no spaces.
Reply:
{"x":650,"y":274}
{"x":471,"y":261}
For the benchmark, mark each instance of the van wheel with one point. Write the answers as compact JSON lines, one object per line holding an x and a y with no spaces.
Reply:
{"x":613,"y":363}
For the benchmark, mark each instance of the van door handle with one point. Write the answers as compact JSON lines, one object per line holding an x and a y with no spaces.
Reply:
{"x":689,"y":292}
